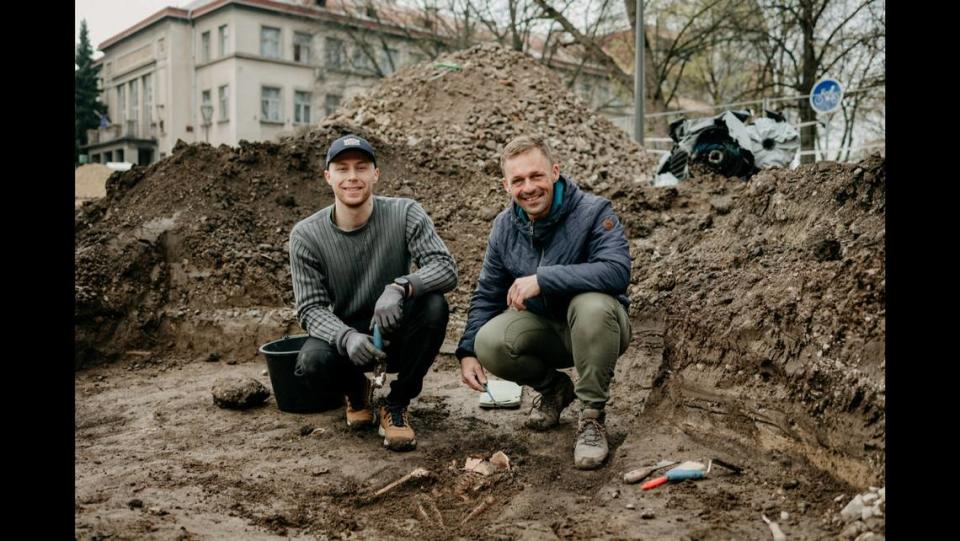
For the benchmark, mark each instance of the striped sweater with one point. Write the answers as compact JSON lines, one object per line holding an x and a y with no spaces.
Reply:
{"x":339,"y":275}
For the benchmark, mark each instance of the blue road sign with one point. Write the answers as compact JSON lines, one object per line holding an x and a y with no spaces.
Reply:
{"x":826,"y":95}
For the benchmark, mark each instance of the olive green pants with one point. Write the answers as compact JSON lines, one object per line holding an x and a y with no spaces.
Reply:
{"x":528,"y":349}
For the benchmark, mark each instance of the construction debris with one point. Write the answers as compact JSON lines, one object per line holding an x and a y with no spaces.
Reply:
{"x":732,"y":144}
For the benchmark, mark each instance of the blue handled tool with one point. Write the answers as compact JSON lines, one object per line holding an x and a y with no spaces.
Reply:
{"x":380,"y":370}
{"x":680,"y":475}
{"x":377,"y":337}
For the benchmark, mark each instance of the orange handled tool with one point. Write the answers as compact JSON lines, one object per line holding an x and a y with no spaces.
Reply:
{"x":673,"y":475}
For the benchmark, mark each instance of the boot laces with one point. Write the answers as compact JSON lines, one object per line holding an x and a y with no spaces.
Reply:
{"x":536,"y":403}
{"x":397,"y":416}
{"x":591,"y":432}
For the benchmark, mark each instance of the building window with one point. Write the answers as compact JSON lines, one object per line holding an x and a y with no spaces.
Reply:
{"x":224,"y":34}
{"x":120,"y":155}
{"x":333,"y":49}
{"x":121,"y":112}
{"x":270,"y":42}
{"x":205,"y":101}
{"x":108,"y":156}
{"x":330,"y":103}
{"x":301,"y":47}
{"x":134,"y":102}
{"x":301,"y":107}
{"x":361,"y":62}
{"x":270,"y":104}
{"x":147,"y":99}
{"x":224,"y":94}
{"x":205,"y":47}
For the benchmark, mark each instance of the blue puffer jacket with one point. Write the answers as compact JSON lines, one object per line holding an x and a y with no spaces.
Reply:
{"x":579,"y":247}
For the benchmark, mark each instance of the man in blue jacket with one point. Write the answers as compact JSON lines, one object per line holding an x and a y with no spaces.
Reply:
{"x":551,"y":295}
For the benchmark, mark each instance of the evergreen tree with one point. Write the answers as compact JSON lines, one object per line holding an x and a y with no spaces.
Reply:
{"x":86,"y":95}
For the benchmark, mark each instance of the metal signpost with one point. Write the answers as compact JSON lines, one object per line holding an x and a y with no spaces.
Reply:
{"x":825,"y":98}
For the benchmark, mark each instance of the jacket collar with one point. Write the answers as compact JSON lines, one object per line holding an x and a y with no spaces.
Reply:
{"x":565,"y":193}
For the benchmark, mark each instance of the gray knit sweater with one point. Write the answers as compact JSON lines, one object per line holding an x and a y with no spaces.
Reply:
{"x":338,"y":275}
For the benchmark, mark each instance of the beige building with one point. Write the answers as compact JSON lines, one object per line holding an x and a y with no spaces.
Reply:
{"x":222,"y":71}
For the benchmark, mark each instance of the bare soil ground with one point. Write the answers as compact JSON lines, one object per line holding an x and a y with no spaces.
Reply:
{"x":156,"y":459}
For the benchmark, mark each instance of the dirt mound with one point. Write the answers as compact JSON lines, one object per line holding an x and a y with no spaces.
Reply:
{"x":469,"y":112}
{"x":771,"y":298}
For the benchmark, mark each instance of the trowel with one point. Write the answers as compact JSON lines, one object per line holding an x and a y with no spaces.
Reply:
{"x":380,"y":370}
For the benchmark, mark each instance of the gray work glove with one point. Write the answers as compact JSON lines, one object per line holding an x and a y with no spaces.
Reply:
{"x":389,"y":308}
{"x":360,"y":349}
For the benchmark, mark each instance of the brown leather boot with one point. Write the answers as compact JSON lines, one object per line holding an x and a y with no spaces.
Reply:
{"x":360,"y":414}
{"x":591,"y":448}
{"x":548,"y":406}
{"x":396,"y":430}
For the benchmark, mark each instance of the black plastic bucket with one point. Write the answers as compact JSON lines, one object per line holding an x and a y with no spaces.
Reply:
{"x":291,"y":392}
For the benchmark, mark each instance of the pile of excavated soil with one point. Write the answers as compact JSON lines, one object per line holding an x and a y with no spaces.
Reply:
{"x":468,"y":114}
{"x":90,"y":181}
{"x":771,"y":296}
{"x":767,"y":296}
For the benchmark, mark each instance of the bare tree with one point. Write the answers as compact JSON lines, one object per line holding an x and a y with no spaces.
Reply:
{"x":426,"y":25}
{"x":805,"y":40}
{"x":689,"y":30}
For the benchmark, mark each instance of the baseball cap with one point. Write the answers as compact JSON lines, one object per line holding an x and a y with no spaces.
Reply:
{"x":350,"y":142}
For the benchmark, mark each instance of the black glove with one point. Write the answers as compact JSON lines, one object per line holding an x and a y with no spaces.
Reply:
{"x":360,"y":349}
{"x":389,"y":308}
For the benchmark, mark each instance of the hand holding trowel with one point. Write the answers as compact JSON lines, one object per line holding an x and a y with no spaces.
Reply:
{"x":380,"y":370}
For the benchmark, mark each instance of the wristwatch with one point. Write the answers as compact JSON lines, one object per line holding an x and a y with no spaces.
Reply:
{"x":405,"y":284}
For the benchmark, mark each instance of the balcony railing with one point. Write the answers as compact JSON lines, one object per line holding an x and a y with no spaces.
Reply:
{"x":129,"y":128}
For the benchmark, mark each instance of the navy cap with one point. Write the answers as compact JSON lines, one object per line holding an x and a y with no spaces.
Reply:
{"x":350,"y":142}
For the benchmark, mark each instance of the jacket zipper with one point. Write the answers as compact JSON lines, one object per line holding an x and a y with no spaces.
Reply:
{"x":539,"y":264}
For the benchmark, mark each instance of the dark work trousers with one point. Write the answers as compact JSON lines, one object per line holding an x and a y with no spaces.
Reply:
{"x":412,"y":350}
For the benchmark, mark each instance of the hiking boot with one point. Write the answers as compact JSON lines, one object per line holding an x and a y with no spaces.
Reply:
{"x":591,"y":448}
{"x":360,"y":413}
{"x":395,"y":428}
{"x":547,"y":407}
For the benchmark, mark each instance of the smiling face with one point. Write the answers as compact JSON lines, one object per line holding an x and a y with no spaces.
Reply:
{"x":352,"y":175}
{"x":529,"y":178}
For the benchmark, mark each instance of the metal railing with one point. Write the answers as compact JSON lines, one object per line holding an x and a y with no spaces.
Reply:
{"x":129,"y":128}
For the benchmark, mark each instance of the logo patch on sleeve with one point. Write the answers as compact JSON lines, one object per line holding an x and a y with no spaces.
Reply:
{"x":608,"y":224}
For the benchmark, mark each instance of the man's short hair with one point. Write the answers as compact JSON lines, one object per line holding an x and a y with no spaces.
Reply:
{"x":523,"y":143}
